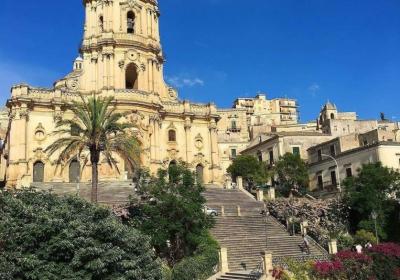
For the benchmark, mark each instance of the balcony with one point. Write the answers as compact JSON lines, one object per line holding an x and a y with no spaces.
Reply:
{"x":234,"y":128}
{"x":288,"y":104}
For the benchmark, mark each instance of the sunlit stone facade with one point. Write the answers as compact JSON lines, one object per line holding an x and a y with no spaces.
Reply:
{"x":121,"y":56}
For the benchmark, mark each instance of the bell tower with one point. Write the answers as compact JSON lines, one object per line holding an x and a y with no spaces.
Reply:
{"x":121,"y":48}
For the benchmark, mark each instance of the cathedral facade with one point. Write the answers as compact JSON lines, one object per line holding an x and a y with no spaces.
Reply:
{"x":121,"y":56}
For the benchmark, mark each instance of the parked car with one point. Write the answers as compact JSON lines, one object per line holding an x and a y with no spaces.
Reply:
{"x":254,"y":189}
{"x":210,"y":211}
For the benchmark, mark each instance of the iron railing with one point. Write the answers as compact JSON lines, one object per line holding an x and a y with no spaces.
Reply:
{"x":257,"y":272}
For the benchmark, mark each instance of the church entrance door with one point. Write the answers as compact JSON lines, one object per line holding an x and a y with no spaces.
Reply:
{"x":199,"y":174}
{"x":74,"y":171}
{"x":38,"y":172}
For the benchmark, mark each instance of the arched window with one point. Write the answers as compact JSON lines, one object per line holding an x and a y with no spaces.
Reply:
{"x":171,"y":136}
{"x":101,"y":24}
{"x":131,"y":77}
{"x":332,"y":116}
{"x":130,"y":18}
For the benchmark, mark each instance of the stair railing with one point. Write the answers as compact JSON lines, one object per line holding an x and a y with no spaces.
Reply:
{"x":257,"y":272}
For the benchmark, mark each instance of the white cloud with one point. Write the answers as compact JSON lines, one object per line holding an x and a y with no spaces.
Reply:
{"x":180,"y":82}
{"x":314,"y":88}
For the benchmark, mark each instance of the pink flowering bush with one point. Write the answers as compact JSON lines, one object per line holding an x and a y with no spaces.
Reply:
{"x":380,"y":262}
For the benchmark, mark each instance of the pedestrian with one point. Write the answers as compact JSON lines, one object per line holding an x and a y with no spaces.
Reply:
{"x":353,"y":248}
{"x":359,"y":248}
{"x":305,"y":244}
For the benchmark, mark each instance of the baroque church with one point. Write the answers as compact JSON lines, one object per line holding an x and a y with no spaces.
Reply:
{"x":121,"y":56}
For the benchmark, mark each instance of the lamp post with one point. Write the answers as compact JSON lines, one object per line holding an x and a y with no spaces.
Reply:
{"x":265,"y":216}
{"x":374,"y":215}
{"x":337,"y":173}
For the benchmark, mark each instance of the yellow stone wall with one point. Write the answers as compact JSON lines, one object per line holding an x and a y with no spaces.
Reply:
{"x":107,"y":50}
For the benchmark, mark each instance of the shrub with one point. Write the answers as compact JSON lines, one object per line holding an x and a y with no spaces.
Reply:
{"x":381,"y":262}
{"x":46,"y":237}
{"x":363,"y":237}
{"x":201,"y":265}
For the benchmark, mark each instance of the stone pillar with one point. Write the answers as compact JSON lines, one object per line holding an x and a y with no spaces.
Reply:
{"x":152,"y":142}
{"x":157,"y":138}
{"x":105,"y":61}
{"x":332,"y":246}
{"x":149,"y":27}
{"x":155,"y":76}
{"x":222,"y":211}
{"x":228,"y":183}
{"x":239,"y":181}
{"x":303,"y":227}
{"x":188,"y":142}
{"x":238,"y":211}
{"x":150,"y":73}
{"x":267,"y":259}
{"x":223,"y":260}
{"x":111,"y":66}
{"x":260,"y":195}
{"x":214,"y":144}
{"x":271,"y":193}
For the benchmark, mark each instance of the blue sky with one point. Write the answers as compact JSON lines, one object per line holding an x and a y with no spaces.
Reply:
{"x":347,"y":51}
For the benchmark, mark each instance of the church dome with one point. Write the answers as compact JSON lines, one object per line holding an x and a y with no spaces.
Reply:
{"x":79,"y":58}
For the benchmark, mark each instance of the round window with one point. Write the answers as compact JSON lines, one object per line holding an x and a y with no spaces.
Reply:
{"x":39,"y":135}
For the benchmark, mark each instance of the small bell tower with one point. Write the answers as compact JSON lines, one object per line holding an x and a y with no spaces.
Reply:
{"x":121,"y":47}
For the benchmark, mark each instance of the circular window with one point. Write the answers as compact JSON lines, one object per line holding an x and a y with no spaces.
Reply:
{"x":199,"y":143}
{"x":39,"y":135}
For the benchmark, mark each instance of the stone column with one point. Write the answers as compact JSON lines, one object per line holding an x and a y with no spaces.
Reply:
{"x":152,"y":142}
{"x":260,"y":195}
{"x":239,"y":213}
{"x":150,"y":73}
{"x":188,"y":126}
{"x":271,"y":193}
{"x":155,"y":77}
{"x":267,"y":259}
{"x":239,"y":181}
{"x":222,"y":211}
{"x":105,"y":60}
{"x":303,"y":227}
{"x":111,"y":64}
{"x":228,"y":183}
{"x":223,"y":260}
{"x":214,"y":149}
{"x":149,"y":33}
{"x":157,"y":123}
{"x":332,"y":246}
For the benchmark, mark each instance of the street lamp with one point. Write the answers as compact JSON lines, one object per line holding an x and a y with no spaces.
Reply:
{"x":374,"y":215}
{"x":337,"y":173}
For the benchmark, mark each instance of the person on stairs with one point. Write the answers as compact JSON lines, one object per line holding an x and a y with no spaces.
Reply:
{"x":305,"y":245}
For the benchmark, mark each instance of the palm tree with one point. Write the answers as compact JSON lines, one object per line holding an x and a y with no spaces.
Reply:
{"x":95,"y":131}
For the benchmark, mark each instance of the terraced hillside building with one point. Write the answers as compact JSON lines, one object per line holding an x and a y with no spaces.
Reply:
{"x":120,"y":56}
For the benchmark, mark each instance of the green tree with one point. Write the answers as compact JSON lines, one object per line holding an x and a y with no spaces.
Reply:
{"x":292,"y":173}
{"x":249,"y":168}
{"x":169,"y":210}
{"x":373,"y":189}
{"x":46,"y":237}
{"x":97,"y":131}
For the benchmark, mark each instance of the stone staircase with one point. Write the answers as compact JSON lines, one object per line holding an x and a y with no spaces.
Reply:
{"x":245,"y":237}
{"x":109,"y":192}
